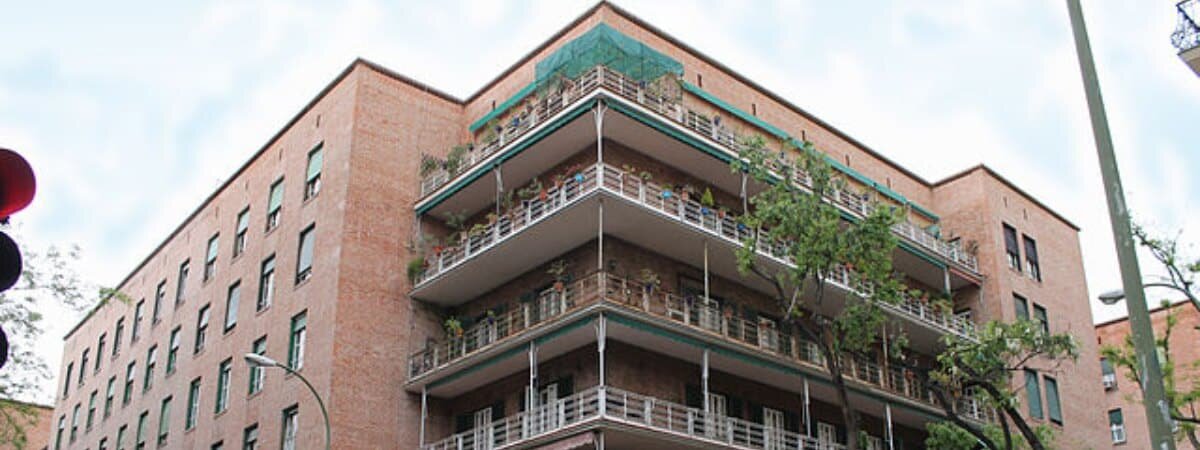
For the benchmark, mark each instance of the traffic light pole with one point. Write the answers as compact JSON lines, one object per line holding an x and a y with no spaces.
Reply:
{"x":1157,"y":409}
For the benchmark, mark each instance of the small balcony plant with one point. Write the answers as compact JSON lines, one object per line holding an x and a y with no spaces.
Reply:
{"x":453,"y":327}
{"x":558,"y":270}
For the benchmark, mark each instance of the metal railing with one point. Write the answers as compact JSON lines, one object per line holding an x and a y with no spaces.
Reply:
{"x":1187,"y":33}
{"x":695,"y":312}
{"x":619,"y":405}
{"x":673,"y":109}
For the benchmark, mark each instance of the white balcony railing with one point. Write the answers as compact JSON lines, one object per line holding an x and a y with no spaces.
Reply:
{"x":554,"y":102}
{"x":695,"y":313}
{"x":631,"y":409}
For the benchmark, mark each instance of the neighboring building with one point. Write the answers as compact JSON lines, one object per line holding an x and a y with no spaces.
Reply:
{"x":1186,"y":37}
{"x":1126,"y":415}
{"x":36,"y":430}
{"x":552,"y":279}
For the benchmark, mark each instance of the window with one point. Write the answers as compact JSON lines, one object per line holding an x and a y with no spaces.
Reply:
{"x":109,"y":394}
{"x":312,"y":183}
{"x":140,"y":439}
{"x":151,"y":361}
{"x":1116,"y":426}
{"x":256,"y":373}
{"x":219,"y":445}
{"x":1053,"y":408}
{"x":160,"y":293}
{"x":83,"y":363}
{"x":274,"y":204}
{"x":1108,"y":375}
{"x":231,"y":305}
{"x":181,"y":285}
{"x":1034,"y":394}
{"x":223,"y":386}
{"x":58,"y":434}
{"x":164,"y":421}
{"x":1039,"y":316}
{"x":138,"y":313}
{"x":201,"y":329}
{"x":121,"y":437}
{"x":210,"y":258}
{"x":103,"y":443}
{"x":250,"y":438}
{"x":266,"y":284}
{"x":239,"y":238}
{"x":1010,"y":247}
{"x":100,"y":343}
{"x":296,"y":343}
{"x":91,"y":416}
{"x":67,"y":380}
{"x":117,"y":337}
{"x":130,"y":374}
{"x":1022,"y":307}
{"x":75,"y":422}
{"x":193,"y":404}
{"x":1031,"y":258}
{"x":173,"y":350}
{"x":290,"y":425}
{"x":304,"y":262}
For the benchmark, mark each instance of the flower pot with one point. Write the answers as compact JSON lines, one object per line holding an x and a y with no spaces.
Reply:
{"x":579,"y":177}
{"x":559,"y":286}
{"x":543,"y":195}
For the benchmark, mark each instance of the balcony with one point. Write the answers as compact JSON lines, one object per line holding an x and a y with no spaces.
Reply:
{"x":633,"y":411}
{"x":615,"y":85}
{"x":609,"y":292}
{"x":1186,"y":37}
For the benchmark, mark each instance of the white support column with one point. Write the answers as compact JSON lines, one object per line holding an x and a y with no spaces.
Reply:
{"x":499,"y":187}
{"x":424,"y":415}
{"x":600,"y":240}
{"x":706,"y":293}
{"x":599,"y":440}
{"x":599,"y":115}
{"x":887,"y":409}
{"x":946,"y":280}
{"x":704,"y":380}
{"x":601,"y":340}
{"x":807,"y":416}
{"x":529,"y":402}
{"x":743,"y":194}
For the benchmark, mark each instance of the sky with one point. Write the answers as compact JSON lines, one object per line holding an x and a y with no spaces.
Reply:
{"x":133,"y":112}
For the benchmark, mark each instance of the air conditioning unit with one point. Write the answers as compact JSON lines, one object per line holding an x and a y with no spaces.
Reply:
{"x":1110,"y":381}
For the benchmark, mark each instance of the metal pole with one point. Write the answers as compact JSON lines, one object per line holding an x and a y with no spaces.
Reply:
{"x":532,"y":377}
{"x":1157,"y":413}
{"x":601,"y":339}
{"x":320,"y":403}
{"x":704,"y":379}
{"x":887,"y":409}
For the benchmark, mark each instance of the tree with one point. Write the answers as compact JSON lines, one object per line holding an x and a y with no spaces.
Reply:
{"x":1182,"y":395}
{"x":985,"y":367}
{"x":48,"y":276}
{"x":801,"y":225}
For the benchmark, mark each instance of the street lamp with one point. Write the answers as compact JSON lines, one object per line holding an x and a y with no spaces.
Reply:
{"x":1116,"y":295}
{"x":262,"y":361}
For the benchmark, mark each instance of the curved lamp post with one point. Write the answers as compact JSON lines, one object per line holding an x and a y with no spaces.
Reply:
{"x":261,"y":361}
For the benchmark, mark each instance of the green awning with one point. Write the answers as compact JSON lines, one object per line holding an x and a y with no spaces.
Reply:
{"x":604,"y":45}
{"x":501,"y":108}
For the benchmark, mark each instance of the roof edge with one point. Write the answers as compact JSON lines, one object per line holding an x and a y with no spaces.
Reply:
{"x":1159,"y":308}
{"x":994,"y":174}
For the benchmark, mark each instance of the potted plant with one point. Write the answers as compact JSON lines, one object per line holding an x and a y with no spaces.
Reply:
{"x":577,"y":174}
{"x":722,"y":212}
{"x":429,"y":164}
{"x":558,"y":270}
{"x":707,"y":202}
{"x":530,"y":190}
{"x":645,"y":175}
{"x":650,"y":280}
{"x":477,"y":230}
{"x":492,"y":218}
{"x":667,"y":191}
{"x":686,"y":191}
{"x":416,"y":268}
{"x":453,"y":327}
{"x":456,"y":159}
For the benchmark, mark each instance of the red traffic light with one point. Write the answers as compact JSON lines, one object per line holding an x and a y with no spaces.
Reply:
{"x":17,"y":184}
{"x":10,"y":262}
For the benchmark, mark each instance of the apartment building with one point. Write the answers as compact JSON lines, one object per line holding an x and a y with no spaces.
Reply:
{"x":548,"y":263}
{"x":1125,"y":414}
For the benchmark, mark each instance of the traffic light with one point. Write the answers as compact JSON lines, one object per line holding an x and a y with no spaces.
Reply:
{"x":17,"y":187}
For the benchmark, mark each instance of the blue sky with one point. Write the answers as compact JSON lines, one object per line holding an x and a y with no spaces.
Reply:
{"x":133,"y":112}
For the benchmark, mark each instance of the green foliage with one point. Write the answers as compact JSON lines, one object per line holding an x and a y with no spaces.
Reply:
{"x":416,"y":268}
{"x":798,"y":224}
{"x":48,"y":278}
{"x":948,"y":436}
{"x":456,"y":160}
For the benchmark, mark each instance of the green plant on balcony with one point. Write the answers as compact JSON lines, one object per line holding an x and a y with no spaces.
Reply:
{"x":456,"y":160}
{"x":453,"y":326}
{"x":687,"y":191}
{"x":429,"y":164}
{"x":532,"y":190}
{"x":416,"y":268}
{"x":477,"y":230}
{"x":558,"y":272}
{"x":942,"y":305}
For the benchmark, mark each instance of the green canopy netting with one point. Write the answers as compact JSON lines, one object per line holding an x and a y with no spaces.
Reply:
{"x":602,"y":45}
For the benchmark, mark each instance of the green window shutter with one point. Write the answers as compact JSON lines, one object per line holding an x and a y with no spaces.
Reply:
{"x":1022,"y":307}
{"x":306,"y":250}
{"x":315,"y":160}
{"x":1115,"y":417}
{"x":1034,"y":394}
{"x":212,"y":248}
{"x":276,"y":198}
{"x":299,"y":323}
{"x":1053,"y":409}
{"x":141,"y":429}
{"x":164,"y":417}
{"x":1106,"y":367}
{"x":243,"y":221}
